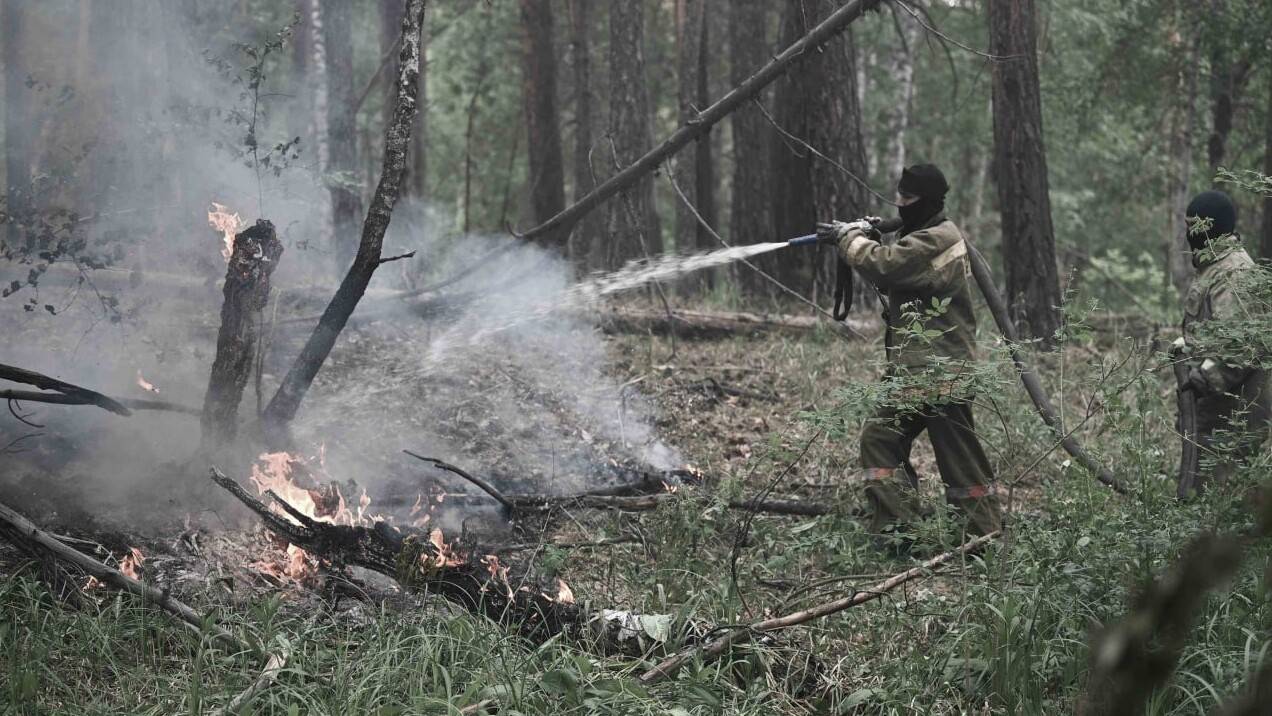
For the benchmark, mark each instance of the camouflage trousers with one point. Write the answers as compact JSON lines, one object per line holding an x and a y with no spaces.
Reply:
{"x":891,"y":482}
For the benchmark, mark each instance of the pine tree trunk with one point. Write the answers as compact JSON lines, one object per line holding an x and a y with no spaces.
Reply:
{"x":1183,"y":121}
{"x":1266,"y":239}
{"x":751,"y":215}
{"x":17,"y":142}
{"x":543,"y":125}
{"x":835,"y":130}
{"x":791,"y":184}
{"x":343,"y":169}
{"x":633,"y":229}
{"x":1029,"y":253}
{"x":591,"y":226}
{"x":692,"y":165}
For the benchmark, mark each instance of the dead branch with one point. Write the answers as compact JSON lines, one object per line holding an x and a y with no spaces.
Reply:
{"x":644,"y":503}
{"x":1033,"y":384}
{"x":44,"y":382}
{"x":698,"y":125}
{"x":283,"y":406}
{"x":714,"y":648}
{"x":24,"y":534}
{"x":484,"y":485}
{"x":31,"y":396}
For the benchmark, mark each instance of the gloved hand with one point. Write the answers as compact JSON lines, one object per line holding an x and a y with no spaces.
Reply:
{"x":836,"y":230}
{"x":1197,"y":381}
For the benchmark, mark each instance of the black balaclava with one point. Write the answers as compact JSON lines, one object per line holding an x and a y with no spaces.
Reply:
{"x":1216,"y":206}
{"x":928,"y":183}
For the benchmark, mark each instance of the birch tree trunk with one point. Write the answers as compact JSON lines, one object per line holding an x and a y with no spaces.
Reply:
{"x":903,"y":70}
{"x":1266,"y":237}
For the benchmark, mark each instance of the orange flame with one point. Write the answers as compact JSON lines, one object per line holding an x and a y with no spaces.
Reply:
{"x":131,"y":563}
{"x":276,"y":471}
{"x":228,"y":223}
{"x":145,"y":384}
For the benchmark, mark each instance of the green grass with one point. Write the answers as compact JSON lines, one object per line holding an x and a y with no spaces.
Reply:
{"x":1005,"y":632}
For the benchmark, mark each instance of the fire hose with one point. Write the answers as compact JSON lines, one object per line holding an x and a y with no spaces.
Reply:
{"x":1028,"y":377}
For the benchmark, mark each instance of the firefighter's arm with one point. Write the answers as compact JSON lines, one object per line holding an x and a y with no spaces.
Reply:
{"x":904,"y":264}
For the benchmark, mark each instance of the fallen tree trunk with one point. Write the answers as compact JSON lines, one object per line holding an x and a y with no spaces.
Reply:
{"x":709,"y":324}
{"x":714,"y":648}
{"x":283,"y":406}
{"x":44,"y":382}
{"x":252,"y":262}
{"x":1033,"y":384}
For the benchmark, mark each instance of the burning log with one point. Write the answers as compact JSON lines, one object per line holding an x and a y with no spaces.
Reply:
{"x":425,"y":562}
{"x":714,"y":648}
{"x":44,"y":382}
{"x":255,"y":255}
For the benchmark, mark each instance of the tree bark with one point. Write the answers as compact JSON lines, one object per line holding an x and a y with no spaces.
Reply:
{"x":283,"y":406}
{"x":342,"y":167}
{"x":693,"y":164}
{"x":255,"y":256}
{"x":543,"y":125}
{"x":1183,"y":121}
{"x":791,"y":186}
{"x":748,"y":90}
{"x":1029,"y":253}
{"x":390,"y":31}
{"x":751,"y":216}
{"x":590,"y":227}
{"x":1266,"y":242}
{"x":17,"y":141}
{"x":417,"y":164}
{"x":835,"y":130}
{"x":1227,"y":83}
{"x":903,"y":71}
{"x":632,"y":229}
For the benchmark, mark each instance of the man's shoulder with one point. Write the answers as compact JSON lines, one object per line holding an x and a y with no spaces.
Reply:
{"x":944,"y":233}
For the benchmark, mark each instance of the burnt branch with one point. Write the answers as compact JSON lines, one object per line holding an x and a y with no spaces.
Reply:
{"x":31,"y":396}
{"x":283,"y":406}
{"x":44,"y":382}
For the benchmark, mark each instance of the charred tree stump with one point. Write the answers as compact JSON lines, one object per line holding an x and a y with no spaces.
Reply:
{"x":256,"y":254}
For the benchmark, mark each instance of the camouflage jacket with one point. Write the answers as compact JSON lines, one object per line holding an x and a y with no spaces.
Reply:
{"x":925,"y":276}
{"x":1216,"y":295}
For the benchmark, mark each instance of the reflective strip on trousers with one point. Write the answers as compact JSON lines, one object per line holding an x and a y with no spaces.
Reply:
{"x":974,"y":492}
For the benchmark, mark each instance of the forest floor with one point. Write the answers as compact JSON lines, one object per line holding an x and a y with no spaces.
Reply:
{"x":1004,"y":631}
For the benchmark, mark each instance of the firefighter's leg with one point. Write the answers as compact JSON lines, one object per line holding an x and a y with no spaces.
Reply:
{"x":964,"y":466}
{"x":885,"y":453}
